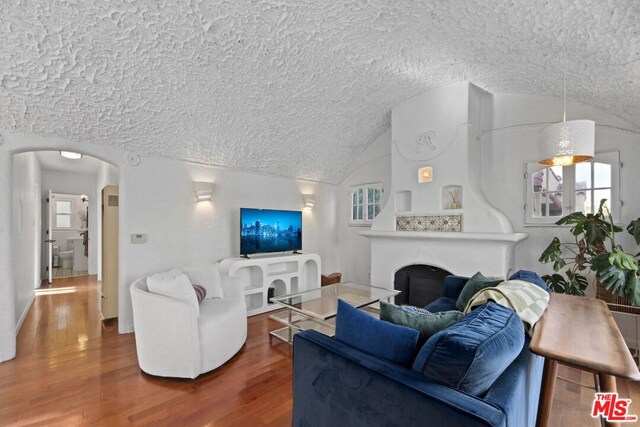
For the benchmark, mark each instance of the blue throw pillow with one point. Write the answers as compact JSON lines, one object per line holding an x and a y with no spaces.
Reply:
{"x":531,"y":277}
{"x":396,"y":344}
{"x":472,"y":353}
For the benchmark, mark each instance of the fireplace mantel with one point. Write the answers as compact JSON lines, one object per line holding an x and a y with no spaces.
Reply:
{"x":462,"y":253}
{"x":438,"y":235}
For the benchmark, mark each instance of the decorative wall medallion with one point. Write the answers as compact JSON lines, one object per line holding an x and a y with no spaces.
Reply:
{"x":132,"y":159}
{"x":449,"y":223}
{"x":425,"y":140}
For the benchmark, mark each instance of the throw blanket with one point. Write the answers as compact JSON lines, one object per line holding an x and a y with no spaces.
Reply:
{"x":528,"y":300}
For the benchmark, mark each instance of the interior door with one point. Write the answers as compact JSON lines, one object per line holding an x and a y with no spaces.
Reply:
{"x":49,"y":235}
{"x":110,"y":226}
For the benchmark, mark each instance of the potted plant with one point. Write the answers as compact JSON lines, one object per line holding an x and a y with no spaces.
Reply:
{"x":594,"y":249}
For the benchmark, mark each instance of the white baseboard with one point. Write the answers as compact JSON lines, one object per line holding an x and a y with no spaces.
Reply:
{"x":24,"y":314}
{"x":4,"y":356}
{"x":125,"y":329}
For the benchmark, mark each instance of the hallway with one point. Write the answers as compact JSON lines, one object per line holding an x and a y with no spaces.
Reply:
{"x":64,"y":315}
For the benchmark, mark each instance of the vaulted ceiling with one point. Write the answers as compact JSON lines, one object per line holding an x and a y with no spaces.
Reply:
{"x":292,"y":87}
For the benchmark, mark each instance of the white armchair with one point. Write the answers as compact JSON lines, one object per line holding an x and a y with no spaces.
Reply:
{"x":173,"y":341}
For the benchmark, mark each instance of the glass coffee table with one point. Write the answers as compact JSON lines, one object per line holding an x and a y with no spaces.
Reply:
{"x":317,"y":308}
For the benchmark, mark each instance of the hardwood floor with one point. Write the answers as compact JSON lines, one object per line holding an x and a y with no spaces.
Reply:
{"x":73,"y":370}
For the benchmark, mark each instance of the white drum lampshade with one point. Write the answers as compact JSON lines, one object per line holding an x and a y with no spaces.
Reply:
{"x":567,"y":143}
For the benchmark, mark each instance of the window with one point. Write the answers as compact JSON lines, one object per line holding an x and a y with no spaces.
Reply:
{"x":365,"y":203}
{"x":63,"y":213}
{"x":556,"y":191}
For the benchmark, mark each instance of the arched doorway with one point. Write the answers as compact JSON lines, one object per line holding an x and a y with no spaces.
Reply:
{"x":11,"y":144}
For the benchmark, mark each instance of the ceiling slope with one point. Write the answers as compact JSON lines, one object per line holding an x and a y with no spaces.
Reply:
{"x":293,"y":88}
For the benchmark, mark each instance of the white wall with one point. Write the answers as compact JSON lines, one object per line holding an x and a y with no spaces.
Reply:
{"x":373,"y":165}
{"x":156,"y":197}
{"x":107,"y":175}
{"x":158,"y":200}
{"x":505,"y":152}
{"x":26,"y":228}
{"x":76,"y":183}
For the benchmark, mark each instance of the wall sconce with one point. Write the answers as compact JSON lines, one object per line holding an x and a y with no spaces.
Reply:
{"x":203,"y":190}
{"x":308,"y":200}
{"x":425,"y":174}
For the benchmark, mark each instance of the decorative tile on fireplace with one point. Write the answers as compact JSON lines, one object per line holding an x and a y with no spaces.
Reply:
{"x":429,"y":223}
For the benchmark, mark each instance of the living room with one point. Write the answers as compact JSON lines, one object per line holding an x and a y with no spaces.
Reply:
{"x":296,"y":107}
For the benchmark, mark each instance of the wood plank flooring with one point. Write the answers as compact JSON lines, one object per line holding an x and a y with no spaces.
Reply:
{"x":72,"y":369}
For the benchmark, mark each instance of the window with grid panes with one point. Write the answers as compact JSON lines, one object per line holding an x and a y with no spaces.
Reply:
{"x":63,"y":213}
{"x":365,"y":203}
{"x":555,"y":191}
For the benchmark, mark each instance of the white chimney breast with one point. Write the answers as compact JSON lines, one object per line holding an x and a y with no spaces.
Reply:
{"x":440,"y":128}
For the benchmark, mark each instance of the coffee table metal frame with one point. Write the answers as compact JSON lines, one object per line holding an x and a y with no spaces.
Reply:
{"x":305,"y":310}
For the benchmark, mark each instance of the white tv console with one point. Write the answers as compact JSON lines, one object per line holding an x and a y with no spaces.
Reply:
{"x":288,"y":273}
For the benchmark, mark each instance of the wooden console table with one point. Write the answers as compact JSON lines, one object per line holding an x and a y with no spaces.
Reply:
{"x":580,"y":332}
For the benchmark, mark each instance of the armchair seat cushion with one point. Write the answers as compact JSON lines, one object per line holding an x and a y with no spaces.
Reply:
{"x":222,"y":327}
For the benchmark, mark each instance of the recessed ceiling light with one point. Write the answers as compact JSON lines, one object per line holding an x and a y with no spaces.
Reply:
{"x":71,"y":155}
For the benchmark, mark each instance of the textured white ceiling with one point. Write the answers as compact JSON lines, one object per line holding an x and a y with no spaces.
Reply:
{"x":294,"y":88}
{"x":53,"y":161}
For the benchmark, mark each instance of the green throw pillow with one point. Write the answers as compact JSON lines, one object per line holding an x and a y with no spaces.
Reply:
{"x":473,"y":286}
{"x":427,"y":324}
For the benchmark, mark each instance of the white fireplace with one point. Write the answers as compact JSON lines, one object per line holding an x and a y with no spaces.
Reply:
{"x":440,"y":129}
{"x":462,"y":254}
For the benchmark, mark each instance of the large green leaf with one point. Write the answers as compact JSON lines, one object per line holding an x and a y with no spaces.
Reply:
{"x":572,"y":218}
{"x":577,"y":219}
{"x":577,"y":283}
{"x":600,"y":262}
{"x":556,"y":282}
{"x":632,"y":291}
{"x":634,"y":229}
{"x":553,"y":253}
{"x":600,"y":212}
{"x":596,"y":230}
{"x":613,"y":278}
{"x":622,"y":260}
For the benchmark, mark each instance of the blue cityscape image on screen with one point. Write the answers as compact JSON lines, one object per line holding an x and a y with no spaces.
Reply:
{"x":263,"y":230}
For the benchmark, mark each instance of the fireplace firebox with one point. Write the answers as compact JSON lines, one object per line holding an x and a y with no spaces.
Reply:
{"x":420,"y":284}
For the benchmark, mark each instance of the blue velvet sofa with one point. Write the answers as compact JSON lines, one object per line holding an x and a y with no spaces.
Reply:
{"x":335,"y":384}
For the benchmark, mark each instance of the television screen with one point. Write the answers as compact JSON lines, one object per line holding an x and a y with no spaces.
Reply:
{"x":264,"y":230}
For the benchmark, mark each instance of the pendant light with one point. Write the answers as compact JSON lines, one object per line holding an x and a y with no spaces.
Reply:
{"x":568,"y":142}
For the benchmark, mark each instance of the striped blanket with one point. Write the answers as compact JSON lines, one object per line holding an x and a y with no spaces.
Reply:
{"x":528,"y":300}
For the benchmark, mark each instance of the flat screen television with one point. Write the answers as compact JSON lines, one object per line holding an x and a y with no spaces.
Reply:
{"x":266,"y":230}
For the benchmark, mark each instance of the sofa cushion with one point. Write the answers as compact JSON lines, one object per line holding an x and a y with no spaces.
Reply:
{"x":427,"y":324}
{"x":174,"y":286}
{"x":531,"y":277}
{"x":472,"y":353}
{"x":476,"y":283}
{"x":442,"y":304}
{"x":206,"y":274}
{"x":394,"y":343}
